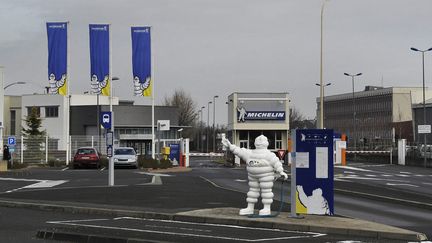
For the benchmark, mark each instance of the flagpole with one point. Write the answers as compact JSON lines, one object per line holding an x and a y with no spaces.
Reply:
{"x":68,"y":98}
{"x":111,"y":161}
{"x":152,"y":95}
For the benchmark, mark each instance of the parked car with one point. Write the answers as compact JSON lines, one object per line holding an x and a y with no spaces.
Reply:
{"x":125,"y":156}
{"x":87,"y":157}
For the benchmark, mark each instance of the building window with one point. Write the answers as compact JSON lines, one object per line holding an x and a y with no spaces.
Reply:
{"x":12,"y":122}
{"x":29,"y":110}
{"x":51,"y":111}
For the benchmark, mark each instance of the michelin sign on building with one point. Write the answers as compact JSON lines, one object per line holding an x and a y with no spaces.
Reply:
{"x":254,"y":114}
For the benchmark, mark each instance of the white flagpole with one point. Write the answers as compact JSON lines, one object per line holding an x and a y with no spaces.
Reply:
{"x":153,"y":88}
{"x":111,"y":161}
{"x":68,"y":98}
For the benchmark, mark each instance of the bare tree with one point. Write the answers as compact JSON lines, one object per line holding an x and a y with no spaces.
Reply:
{"x":187,"y":107}
{"x":297,"y":120}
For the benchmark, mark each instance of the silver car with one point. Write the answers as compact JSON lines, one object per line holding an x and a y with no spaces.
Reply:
{"x":125,"y":156}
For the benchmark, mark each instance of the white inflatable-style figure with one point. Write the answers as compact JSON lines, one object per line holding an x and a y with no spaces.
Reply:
{"x":140,"y":87}
{"x":97,"y":86}
{"x":55,"y":85}
{"x":262,"y":167}
{"x":316,"y":203}
{"x":242,"y":114}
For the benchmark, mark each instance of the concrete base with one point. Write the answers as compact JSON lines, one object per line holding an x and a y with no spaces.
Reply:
{"x":3,"y":165}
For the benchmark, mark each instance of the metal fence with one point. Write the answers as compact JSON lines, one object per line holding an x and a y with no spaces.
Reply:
{"x":35,"y":149}
{"x":45,"y":149}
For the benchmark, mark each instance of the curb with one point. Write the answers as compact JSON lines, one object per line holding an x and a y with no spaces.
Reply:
{"x":211,"y":220}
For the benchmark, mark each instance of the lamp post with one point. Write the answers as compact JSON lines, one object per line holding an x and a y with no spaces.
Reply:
{"x":353,"y":137}
{"x":321,"y":123}
{"x":321,"y":103}
{"x":11,"y":84}
{"x":214,"y":115}
{"x":208,"y":125}
{"x":201,"y":125}
{"x":111,"y":161}
{"x":424,"y":99}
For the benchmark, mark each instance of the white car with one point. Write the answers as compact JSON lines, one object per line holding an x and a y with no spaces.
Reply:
{"x":125,"y":156}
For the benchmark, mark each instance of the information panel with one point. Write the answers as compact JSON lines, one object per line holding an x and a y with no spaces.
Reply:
{"x":313,"y":157}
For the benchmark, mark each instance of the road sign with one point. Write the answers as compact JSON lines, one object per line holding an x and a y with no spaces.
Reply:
{"x":281,"y":154}
{"x":11,"y":141}
{"x":163,"y":125}
{"x":109,"y":151}
{"x":424,"y":129}
{"x":106,"y":120}
{"x":109,"y":138}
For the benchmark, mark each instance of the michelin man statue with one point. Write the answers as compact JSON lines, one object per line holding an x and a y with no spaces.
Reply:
{"x":262,"y":166}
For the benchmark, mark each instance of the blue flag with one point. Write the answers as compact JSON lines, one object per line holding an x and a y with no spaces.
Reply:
{"x":57,"y":57}
{"x":141,"y":61}
{"x":100,"y":59}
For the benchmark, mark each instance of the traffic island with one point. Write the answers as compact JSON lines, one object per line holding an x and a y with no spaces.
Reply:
{"x":313,"y":223}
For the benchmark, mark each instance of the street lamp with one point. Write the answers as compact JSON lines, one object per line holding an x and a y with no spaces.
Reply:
{"x":11,"y":84}
{"x":214,"y":115}
{"x":322,"y":101}
{"x":208,"y":125}
{"x":424,"y":101}
{"x":321,"y":123}
{"x":201,"y":124}
{"x":354,"y":112}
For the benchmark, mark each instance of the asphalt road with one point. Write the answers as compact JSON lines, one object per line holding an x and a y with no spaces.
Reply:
{"x":133,"y":191}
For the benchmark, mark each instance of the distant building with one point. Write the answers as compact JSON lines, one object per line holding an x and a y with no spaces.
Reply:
{"x":418,"y":120}
{"x":381,"y":114}
{"x":132,"y":122}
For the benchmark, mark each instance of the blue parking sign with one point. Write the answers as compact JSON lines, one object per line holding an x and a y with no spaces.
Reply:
{"x":106,"y":119}
{"x":11,"y":141}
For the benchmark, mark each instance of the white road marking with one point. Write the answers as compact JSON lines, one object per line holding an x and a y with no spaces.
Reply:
{"x":395,"y":184}
{"x":44,"y":184}
{"x":373,"y":179}
{"x":102,"y":169}
{"x":427,"y":183}
{"x":405,"y":172}
{"x":403,"y":175}
{"x":349,"y":172}
{"x":352,"y":168}
{"x":66,"y":168}
{"x":152,"y":174}
{"x":38,"y":184}
{"x":370,"y":175}
{"x":308,"y":234}
{"x":419,"y":175}
{"x":387,"y":175}
{"x":240,"y":180}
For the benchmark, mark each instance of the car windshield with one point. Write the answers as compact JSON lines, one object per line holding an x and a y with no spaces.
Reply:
{"x":126,"y":151}
{"x":86,"y":151}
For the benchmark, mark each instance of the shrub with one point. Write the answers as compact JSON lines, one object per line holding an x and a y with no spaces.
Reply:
{"x":53,"y":162}
{"x":17,"y":165}
{"x":104,"y":161}
{"x":145,"y":162}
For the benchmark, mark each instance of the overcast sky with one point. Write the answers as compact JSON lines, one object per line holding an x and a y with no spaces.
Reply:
{"x":217,"y":47}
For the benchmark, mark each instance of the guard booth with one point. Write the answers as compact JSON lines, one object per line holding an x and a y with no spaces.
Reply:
{"x":312,"y":172}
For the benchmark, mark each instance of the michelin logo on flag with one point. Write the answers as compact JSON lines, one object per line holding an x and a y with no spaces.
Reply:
{"x":55,"y":86}
{"x":96,"y":85}
{"x":60,"y":26}
{"x":243,"y":115}
{"x":140,"y":88}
